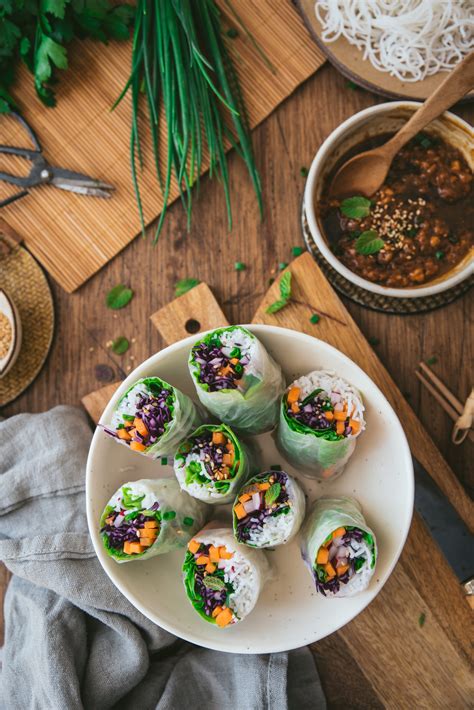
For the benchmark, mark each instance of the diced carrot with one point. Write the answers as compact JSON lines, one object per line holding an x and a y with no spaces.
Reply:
{"x":147,"y":541}
{"x":193,"y":546}
{"x":224,"y":618}
{"x":354,"y":425}
{"x":150,"y":524}
{"x":137,"y":446}
{"x":229,"y":446}
{"x":340,"y":428}
{"x":218,"y":437}
{"x":323,"y":556}
{"x":123,"y":434}
{"x":327,"y":544}
{"x":240,"y":511}
{"x":329,"y":415}
{"x":202,"y":560}
{"x":234,"y":360}
{"x":329,"y":569}
{"x":214,"y":553}
{"x":210,"y":568}
{"x":228,"y":459}
{"x":225,"y":470}
{"x":339,"y":532}
{"x":293,"y":395}
{"x":295,"y":407}
{"x":225,"y":370}
{"x":244,"y":497}
{"x":140,"y":426}
{"x":135,"y":548}
{"x":126,"y":547}
{"x":327,"y":473}
{"x":216,"y":611}
{"x":148,"y":532}
{"x":223,"y":554}
{"x":341,"y":569}
{"x":340,"y":416}
{"x":264,"y":486}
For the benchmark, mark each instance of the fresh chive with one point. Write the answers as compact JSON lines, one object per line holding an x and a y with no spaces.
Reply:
{"x":128,"y":417}
{"x":188,"y":521}
{"x":439,"y":255}
{"x":232,"y":33}
{"x":239,"y":266}
{"x":374,"y":341}
{"x":351,"y":85}
{"x":169,"y":515}
{"x":297,"y":251}
{"x":314,"y":318}
{"x":164,"y":461}
{"x":282,"y":265}
{"x":432,"y":360}
{"x":304,"y":171}
{"x":421,"y":619}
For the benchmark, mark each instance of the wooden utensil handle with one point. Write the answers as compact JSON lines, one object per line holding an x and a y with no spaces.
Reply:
{"x":454,"y":87}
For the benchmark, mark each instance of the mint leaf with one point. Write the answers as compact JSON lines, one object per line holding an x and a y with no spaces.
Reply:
{"x":184,"y":285}
{"x":355,"y":207}
{"x":272,"y":493}
{"x":48,"y":53}
{"x":212,"y":582}
{"x":285,"y":285}
{"x":277,"y":306}
{"x":120,"y":345}
{"x":369,"y":243}
{"x":118,"y":297}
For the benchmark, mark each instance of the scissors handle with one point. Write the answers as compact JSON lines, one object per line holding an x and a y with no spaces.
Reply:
{"x":22,"y":152}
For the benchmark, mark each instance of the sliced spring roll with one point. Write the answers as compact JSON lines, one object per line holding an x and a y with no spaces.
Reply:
{"x":223,"y":579}
{"x":269,"y":510}
{"x":338,"y":547}
{"x":149,"y":517}
{"x":152,"y":417}
{"x":212,"y":463}
{"x":236,"y":379}
{"x":321,"y":416}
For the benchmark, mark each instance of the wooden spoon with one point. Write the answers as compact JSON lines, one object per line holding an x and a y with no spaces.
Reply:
{"x":365,"y":173}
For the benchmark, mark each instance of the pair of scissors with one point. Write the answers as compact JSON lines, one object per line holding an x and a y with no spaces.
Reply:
{"x":42,"y":173}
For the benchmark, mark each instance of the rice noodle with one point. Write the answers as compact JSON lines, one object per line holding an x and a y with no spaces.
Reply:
{"x":410,"y":39}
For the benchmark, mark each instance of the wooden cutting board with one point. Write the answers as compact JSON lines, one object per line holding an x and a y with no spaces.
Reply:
{"x":75,"y":236}
{"x":383,"y":658}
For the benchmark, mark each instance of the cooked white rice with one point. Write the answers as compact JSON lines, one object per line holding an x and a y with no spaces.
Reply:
{"x":248,"y":347}
{"x":360,"y":579}
{"x":205,"y":492}
{"x":337,"y":389}
{"x":247,"y":570}
{"x":128,"y":404}
{"x":280,"y":529}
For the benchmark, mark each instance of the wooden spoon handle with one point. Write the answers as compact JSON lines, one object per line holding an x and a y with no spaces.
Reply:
{"x":454,"y":87}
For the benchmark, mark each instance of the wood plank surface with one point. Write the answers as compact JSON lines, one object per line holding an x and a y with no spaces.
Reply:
{"x":284,"y":144}
{"x":74,"y":236}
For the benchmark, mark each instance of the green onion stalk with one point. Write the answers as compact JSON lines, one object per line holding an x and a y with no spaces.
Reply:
{"x":181,"y":65}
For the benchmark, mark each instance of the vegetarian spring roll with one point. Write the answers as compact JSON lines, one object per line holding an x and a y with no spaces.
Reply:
{"x":149,"y":517}
{"x":321,"y":416}
{"x":236,"y":379}
{"x":223,"y":579}
{"x":338,"y":547}
{"x":269,"y":510}
{"x":212,"y":463}
{"x":152,"y":417}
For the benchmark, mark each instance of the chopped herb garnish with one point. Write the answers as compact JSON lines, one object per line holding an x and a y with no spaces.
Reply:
{"x":272,"y":493}
{"x":239,"y":266}
{"x":128,"y":417}
{"x":297,"y":251}
{"x":374,"y":341}
{"x":164,"y":461}
{"x":184,"y":285}
{"x":439,"y":255}
{"x":304,"y":172}
{"x":421,"y":619}
{"x":369,"y":242}
{"x":282,"y":265}
{"x":120,"y":345}
{"x":169,"y":515}
{"x":213,"y":582}
{"x":271,"y":281}
{"x":351,"y":85}
{"x":118,"y":297}
{"x":355,"y":207}
{"x":432,"y":360}
{"x":232,"y":33}
{"x":285,"y":294}
{"x":412,"y":232}
{"x":188,"y":521}
{"x":426,"y":143}
{"x":315,"y":318}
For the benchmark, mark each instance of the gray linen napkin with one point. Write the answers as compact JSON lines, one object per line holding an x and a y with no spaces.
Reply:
{"x":71,"y":639}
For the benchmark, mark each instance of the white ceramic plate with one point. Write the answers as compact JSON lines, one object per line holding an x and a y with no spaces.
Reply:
{"x":289,"y":613}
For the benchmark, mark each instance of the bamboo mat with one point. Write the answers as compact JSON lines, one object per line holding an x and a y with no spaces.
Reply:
{"x":74,"y":236}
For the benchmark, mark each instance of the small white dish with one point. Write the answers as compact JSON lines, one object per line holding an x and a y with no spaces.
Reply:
{"x":289,"y":612}
{"x":372,"y":121}
{"x":10,"y":327}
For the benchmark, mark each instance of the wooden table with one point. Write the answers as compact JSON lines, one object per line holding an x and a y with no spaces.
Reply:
{"x":284,"y":144}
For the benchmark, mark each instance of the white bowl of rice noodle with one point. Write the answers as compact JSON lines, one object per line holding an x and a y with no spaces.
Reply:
{"x":378,"y":120}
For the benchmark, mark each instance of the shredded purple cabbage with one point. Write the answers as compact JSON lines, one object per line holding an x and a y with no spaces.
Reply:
{"x":256,"y":520}
{"x":312,"y":413}
{"x":212,"y":362}
{"x":154,"y":411}
{"x":333,"y":585}
{"x":212,"y":455}
{"x":127,"y":531}
{"x":212,"y":598}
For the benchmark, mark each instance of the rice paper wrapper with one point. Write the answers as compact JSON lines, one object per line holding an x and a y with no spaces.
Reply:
{"x":316,"y":456}
{"x":208,"y":492}
{"x":277,"y":529}
{"x":252,"y":565}
{"x":255,"y":410}
{"x":175,"y":532}
{"x":185,"y":416}
{"x":326,"y":515}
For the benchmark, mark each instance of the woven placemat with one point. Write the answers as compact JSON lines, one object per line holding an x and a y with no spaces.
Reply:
{"x":385,"y":304}
{"x":23,"y":279}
